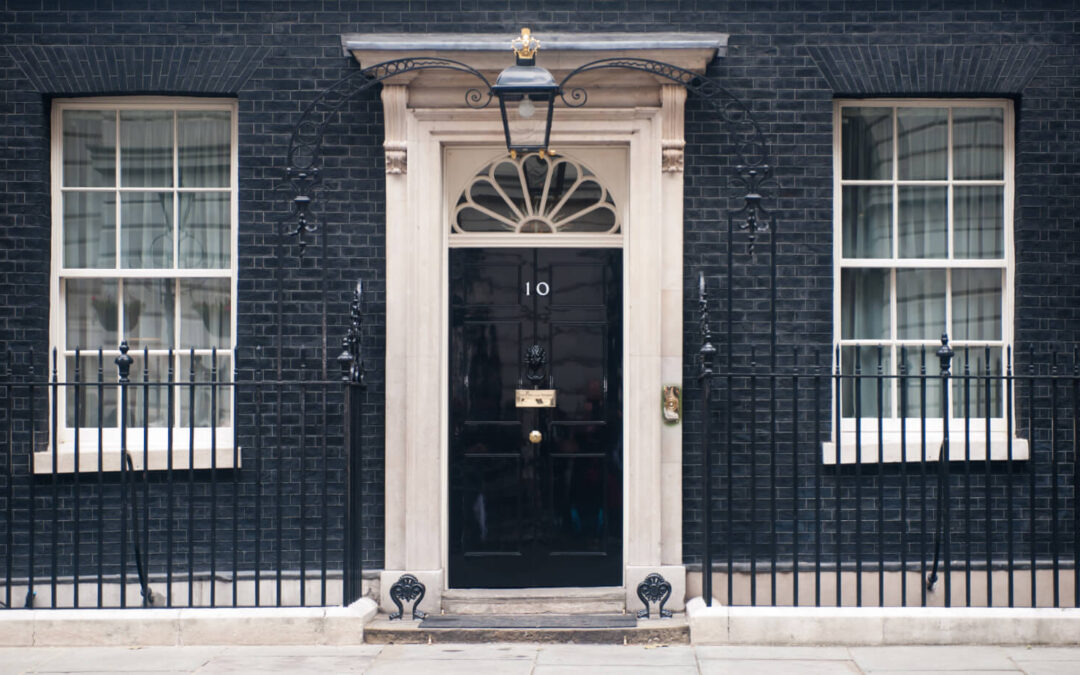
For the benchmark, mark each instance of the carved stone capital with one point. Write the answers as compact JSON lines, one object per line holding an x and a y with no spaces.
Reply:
{"x":673,"y":141}
{"x":394,"y":98}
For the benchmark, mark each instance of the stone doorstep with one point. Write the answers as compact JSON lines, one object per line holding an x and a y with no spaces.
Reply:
{"x":675,"y":630}
{"x":875,"y":626}
{"x":483,"y":601}
{"x":187,"y":626}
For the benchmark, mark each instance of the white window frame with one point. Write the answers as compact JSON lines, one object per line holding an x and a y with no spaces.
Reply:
{"x":156,"y":452}
{"x":866,"y":448}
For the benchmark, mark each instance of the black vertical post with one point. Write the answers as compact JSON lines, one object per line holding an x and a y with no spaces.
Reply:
{"x":76,"y":492}
{"x":258,"y":470}
{"x":729,"y":455}
{"x":795,"y":476}
{"x":123,"y":367}
{"x":967,"y":476}
{"x":881,"y":476}
{"x":707,"y":351}
{"x":352,"y":378}
{"x":144,"y":562}
{"x":988,"y":474}
{"x":945,"y":355}
{"x":837,"y":432}
{"x":1009,"y":551}
{"x":901,"y":390}
{"x":817,"y":478}
{"x":170,"y":394}
{"x":235,"y":489}
{"x":9,"y":398}
{"x":31,"y":491}
{"x":100,"y":477}
{"x":1031,"y":470}
{"x":922,"y":475}
{"x":55,"y":527}
{"x":1054,"y":478}
{"x":213,"y":477}
{"x":753,"y":476}
{"x":191,"y":478}
{"x":1076,"y":474}
{"x":302,"y":478}
{"x":858,"y":477}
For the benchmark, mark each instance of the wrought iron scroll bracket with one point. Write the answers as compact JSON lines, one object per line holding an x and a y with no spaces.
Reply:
{"x":654,"y":589}
{"x":407,"y":589}
{"x":707,"y":350}
{"x":302,"y":178}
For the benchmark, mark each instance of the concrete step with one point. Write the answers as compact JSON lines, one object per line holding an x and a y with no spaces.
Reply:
{"x":557,"y":629}
{"x":516,"y":601}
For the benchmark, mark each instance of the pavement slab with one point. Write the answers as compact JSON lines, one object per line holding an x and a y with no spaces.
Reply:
{"x":777,"y":667}
{"x":615,"y":655}
{"x":127,"y":660}
{"x":773,"y":653}
{"x":923,"y":659}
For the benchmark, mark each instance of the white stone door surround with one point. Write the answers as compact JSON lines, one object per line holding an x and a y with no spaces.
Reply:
{"x":425,"y":115}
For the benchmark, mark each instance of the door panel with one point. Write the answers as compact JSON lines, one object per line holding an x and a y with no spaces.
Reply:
{"x":545,"y":513}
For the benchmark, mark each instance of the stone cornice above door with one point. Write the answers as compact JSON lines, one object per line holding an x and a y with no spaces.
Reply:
{"x":560,"y":53}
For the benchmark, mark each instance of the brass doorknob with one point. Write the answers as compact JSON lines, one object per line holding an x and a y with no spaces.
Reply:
{"x":535,"y":436}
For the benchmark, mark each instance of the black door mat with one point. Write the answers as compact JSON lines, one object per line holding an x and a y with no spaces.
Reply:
{"x":531,"y":621}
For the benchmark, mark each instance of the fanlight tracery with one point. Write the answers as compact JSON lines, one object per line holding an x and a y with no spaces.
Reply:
{"x":534,"y":194}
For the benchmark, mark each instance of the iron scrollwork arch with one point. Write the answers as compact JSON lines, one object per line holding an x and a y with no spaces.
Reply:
{"x":303,"y":176}
{"x":753,"y":173}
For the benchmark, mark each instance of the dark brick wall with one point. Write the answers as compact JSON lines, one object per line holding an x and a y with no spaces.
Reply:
{"x":789,"y":59}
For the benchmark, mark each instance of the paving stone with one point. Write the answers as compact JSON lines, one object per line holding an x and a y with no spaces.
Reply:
{"x":455,"y":666}
{"x":130,"y":660}
{"x":874,"y":659}
{"x":645,"y":669}
{"x":22,"y":659}
{"x":1044,"y":653}
{"x":456,"y":652}
{"x":773,"y":653}
{"x":614,"y":655}
{"x":777,"y":667}
{"x":296,"y":663}
{"x":1048,"y":667}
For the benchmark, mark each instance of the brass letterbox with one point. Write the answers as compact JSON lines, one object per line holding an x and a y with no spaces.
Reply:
{"x":535,"y":398}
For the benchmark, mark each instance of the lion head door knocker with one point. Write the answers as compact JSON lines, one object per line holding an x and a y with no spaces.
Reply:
{"x":672,"y":401}
{"x":535,"y":360}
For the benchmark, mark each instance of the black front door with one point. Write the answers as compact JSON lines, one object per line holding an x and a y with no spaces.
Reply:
{"x":535,"y":492}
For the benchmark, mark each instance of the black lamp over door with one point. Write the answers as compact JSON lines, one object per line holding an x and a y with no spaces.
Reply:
{"x":526,"y":94}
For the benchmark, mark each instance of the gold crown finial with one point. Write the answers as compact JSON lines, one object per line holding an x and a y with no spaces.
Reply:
{"x":526,"y":45}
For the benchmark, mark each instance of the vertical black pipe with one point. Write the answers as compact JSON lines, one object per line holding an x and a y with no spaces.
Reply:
{"x":707,"y":351}
{"x":1076,"y":474}
{"x":858,"y":477}
{"x":922,"y":474}
{"x":795,"y":475}
{"x":302,"y":477}
{"x":902,"y":385}
{"x":258,"y":471}
{"x":213,"y":477}
{"x":279,"y":469}
{"x":76,"y":492}
{"x":1054,"y":478}
{"x":838,"y":377}
{"x":347,"y":592}
{"x":55,"y":528}
{"x":191,"y":478}
{"x":1010,"y":552}
{"x":235,"y":390}
{"x":147,"y":598}
{"x":728,"y":449}
{"x":967,"y":476}
{"x":123,"y":366}
{"x":323,"y":507}
{"x":945,"y":354}
{"x":1031,"y":468}
{"x":170,"y":495}
{"x":817,"y":477}
{"x":9,"y":398}
{"x":31,"y":394}
{"x":881,"y":477}
{"x":100,"y":477}
{"x":753,"y":476}
{"x":988,"y":512}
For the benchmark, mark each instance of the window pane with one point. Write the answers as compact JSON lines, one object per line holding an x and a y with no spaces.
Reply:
{"x":90,"y":229}
{"x":148,"y":313}
{"x":204,"y":141}
{"x":866,"y":137}
{"x":922,"y":137}
{"x":146,"y":229}
{"x":89,"y":397}
{"x":978,"y":222}
{"x":205,"y":393}
{"x":920,"y":384}
{"x":146,"y":148}
{"x":867,"y":221}
{"x":920,"y":304}
{"x":864,"y":299}
{"x":865,"y":364}
{"x":89,"y":148}
{"x":976,"y":297}
{"x":148,"y":403}
{"x":922,"y":222}
{"x":978,"y":143}
{"x":92,"y":313}
{"x":970,"y":388}
{"x":204,"y":230}
{"x":204,"y":313}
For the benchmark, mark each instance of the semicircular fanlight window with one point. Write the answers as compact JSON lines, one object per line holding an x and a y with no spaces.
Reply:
{"x":535,"y":195}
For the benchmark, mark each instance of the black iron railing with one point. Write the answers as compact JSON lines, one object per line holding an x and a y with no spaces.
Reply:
{"x":796,"y":514}
{"x":234,"y":488}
